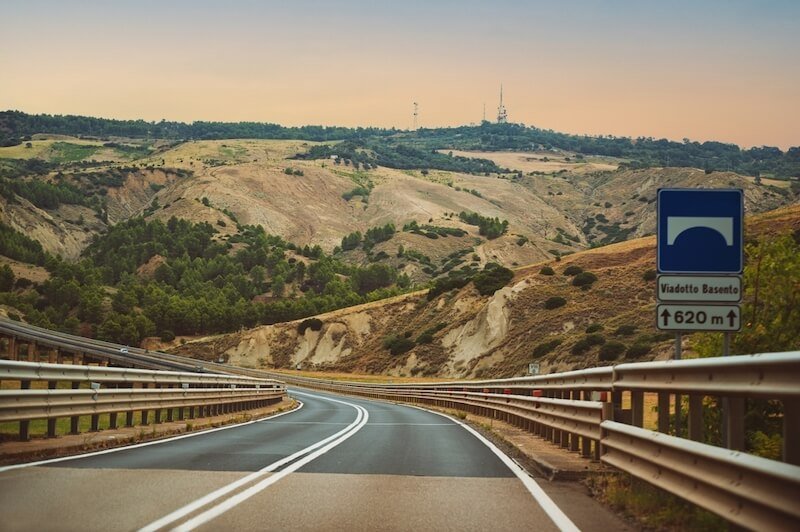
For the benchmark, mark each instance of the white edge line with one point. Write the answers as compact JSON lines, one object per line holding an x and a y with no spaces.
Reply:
{"x":145,"y":444}
{"x":214,"y":495}
{"x":234,"y":501}
{"x":555,"y":513}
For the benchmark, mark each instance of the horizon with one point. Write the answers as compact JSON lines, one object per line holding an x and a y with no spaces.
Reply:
{"x":720,"y":71}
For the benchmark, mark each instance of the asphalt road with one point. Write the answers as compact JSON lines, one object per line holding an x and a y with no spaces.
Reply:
{"x":338,"y":463}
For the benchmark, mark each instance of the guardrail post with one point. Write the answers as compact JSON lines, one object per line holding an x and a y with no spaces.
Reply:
{"x":607,"y":414}
{"x":24,"y":426}
{"x":734,"y":427}
{"x":51,"y":422}
{"x":74,"y":421}
{"x":663,"y":412}
{"x":32,"y":351}
{"x":129,"y":418}
{"x":12,"y":348}
{"x":637,"y":408}
{"x":791,"y":431}
{"x":95,"y":423}
{"x":696,"y":417}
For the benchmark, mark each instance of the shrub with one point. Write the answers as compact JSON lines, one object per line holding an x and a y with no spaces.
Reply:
{"x":594,"y":327}
{"x":573,"y":270}
{"x":492,"y":278}
{"x":167,"y":336}
{"x":397,"y":345}
{"x":584,"y":279}
{"x":424,"y":338}
{"x":595,"y":339}
{"x":427,"y":335}
{"x":649,"y":275}
{"x":638,"y":349}
{"x":547,"y":270}
{"x":625,"y":330}
{"x":445,"y":284}
{"x":580,"y":347}
{"x":315,"y":324}
{"x":546,"y":347}
{"x":611,"y":350}
{"x":554,"y":302}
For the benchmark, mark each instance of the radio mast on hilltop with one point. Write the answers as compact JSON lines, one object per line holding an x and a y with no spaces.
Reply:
{"x":416,"y":113}
{"x":502,"y":116}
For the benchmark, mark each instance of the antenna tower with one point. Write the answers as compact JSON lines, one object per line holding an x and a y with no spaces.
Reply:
{"x":502,"y":116}
{"x":416,"y":113}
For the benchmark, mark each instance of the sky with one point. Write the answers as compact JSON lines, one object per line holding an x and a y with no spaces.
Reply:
{"x":704,"y":70}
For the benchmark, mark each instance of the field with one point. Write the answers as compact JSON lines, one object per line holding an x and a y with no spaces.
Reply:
{"x":546,"y":162}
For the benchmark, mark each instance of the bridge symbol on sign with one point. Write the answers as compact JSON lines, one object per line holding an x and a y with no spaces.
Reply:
{"x":678,"y":224}
{"x":700,"y":231}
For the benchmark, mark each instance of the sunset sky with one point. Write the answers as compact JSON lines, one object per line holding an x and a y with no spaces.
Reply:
{"x":706,"y":70}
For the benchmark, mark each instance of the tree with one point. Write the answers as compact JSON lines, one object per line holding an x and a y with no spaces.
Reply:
{"x":6,"y":278}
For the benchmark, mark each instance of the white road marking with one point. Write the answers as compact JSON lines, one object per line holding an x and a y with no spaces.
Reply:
{"x":552,"y":510}
{"x":148,"y":443}
{"x":361,"y":419}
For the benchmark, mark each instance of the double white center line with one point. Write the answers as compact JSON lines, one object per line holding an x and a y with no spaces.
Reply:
{"x":302,"y":457}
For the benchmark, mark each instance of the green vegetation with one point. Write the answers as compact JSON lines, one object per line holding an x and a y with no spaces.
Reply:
{"x":492,"y":278}
{"x":594,"y":327}
{"x":547,"y":270}
{"x":397,"y":345}
{"x":584,"y":280}
{"x":433,"y":231}
{"x":654,"y":509}
{"x":396,"y":154}
{"x":572,"y":270}
{"x":357,"y":191}
{"x":554,"y":302}
{"x":770,"y":323}
{"x":625,"y":330}
{"x":649,"y":275}
{"x":66,"y":152}
{"x":200,"y":286}
{"x":586,"y":343}
{"x":427,"y":335}
{"x":491,"y":228}
{"x":611,"y":351}
{"x":546,"y":347}
{"x":315,"y":324}
{"x":638,"y":349}
{"x":17,"y":246}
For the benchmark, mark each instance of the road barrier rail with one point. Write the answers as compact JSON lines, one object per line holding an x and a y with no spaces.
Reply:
{"x":599,"y":412}
{"x":52,"y":391}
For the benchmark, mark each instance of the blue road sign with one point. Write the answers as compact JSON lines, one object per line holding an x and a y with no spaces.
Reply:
{"x":700,"y":230}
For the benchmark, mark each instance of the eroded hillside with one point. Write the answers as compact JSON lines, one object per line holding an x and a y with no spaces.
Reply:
{"x":474,"y":336}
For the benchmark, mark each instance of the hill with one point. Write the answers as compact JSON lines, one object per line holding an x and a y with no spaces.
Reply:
{"x":463,"y":334}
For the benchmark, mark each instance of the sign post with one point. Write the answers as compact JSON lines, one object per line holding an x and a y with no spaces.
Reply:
{"x":700,"y":258}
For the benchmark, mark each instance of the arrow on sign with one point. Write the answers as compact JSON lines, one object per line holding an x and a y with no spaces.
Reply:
{"x":731,"y":317}
{"x":666,"y":316}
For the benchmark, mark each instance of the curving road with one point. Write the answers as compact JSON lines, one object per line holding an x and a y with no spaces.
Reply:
{"x":338,"y":463}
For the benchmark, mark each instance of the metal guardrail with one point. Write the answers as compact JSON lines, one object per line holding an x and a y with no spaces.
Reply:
{"x":96,"y":390}
{"x":752,"y":492}
{"x":747,"y":490}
